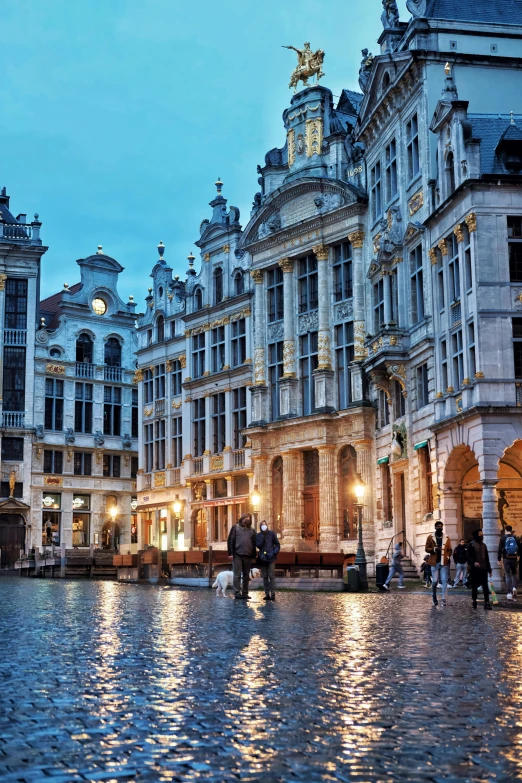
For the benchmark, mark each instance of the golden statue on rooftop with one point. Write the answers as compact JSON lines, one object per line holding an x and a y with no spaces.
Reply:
{"x":308,"y":64}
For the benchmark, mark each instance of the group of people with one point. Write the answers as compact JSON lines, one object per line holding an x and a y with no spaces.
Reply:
{"x":245,"y":548}
{"x":472,"y":562}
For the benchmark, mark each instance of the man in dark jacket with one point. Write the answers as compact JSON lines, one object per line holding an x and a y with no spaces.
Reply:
{"x":480,"y":568}
{"x":269,"y":547}
{"x":242,"y":551}
{"x":508,"y":552}
{"x":460,"y":557}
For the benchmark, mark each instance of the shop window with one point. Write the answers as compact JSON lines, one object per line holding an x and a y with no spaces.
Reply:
{"x":51,"y":519}
{"x":81,"y":520}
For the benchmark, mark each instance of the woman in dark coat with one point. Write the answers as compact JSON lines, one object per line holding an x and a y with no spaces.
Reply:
{"x":268,"y":546}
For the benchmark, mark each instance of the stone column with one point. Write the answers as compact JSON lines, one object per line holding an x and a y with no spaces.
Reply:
{"x":259,"y":389}
{"x":490,"y":526}
{"x":261,"y":481}
{"x":324,"y":375}
{"x":329,"y":521}
{"x":356,"y":239}
{"x":288,"y":383}
{"x":291,"y":501}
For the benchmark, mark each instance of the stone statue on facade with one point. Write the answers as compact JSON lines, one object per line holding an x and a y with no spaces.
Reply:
{"x":39,"y":432}
{"x":416,"y":7}
{"x":364,"y":71}
{"x":69,"y":436}
{"x":390,"y":14}
{"x":99,"y":440}
{"x":308,"y":64}
{"x":126,"y":441}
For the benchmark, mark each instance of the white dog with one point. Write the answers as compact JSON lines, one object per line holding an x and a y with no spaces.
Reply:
{"x":226,"y":579}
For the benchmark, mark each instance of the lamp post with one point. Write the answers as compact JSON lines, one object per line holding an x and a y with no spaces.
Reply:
{"x":360,"y":557}
{"x":255,"y":502}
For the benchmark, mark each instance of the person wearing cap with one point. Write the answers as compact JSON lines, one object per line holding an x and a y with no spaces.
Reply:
{"x":242,"y":551}
{"x":268,"y":546}
{"x":439,"y":551}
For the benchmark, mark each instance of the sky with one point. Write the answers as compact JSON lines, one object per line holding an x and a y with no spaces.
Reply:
{"x":117,"y":116}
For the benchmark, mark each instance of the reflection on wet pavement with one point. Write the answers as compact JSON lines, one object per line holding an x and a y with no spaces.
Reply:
{"x":109,"y":682}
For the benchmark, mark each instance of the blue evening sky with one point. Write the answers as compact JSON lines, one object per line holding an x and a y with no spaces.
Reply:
{"x":117,"y":116}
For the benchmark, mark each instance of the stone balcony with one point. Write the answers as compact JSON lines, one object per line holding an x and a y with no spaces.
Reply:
{"x":26,"y":233}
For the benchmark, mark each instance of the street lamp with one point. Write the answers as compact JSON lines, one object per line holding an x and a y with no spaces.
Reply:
{"x":255,"y":502}
{"x":360,"y":557}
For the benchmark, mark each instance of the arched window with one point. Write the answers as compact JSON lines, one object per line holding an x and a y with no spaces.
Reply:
{"x":218,"y":285}
{"x":112,"y":353}
{"x":450,"y":174}
{"x":160,"y":329}
{"x":84,"y":349}
{"x":198,"y":299}
{"x":239,"y":284}
{"x":348,"y":465}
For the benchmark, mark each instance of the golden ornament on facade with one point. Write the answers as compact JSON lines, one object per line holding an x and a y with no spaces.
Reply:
{"x":259,"y":365}
{"x":443,"y":247}
{"x":479,"y":375}
{"x":176,"y":404}
{"x":459,"y":233}
{"x":206,"y":257}
{"x":226,"y":248}
{"x":291,"y":146}
{"x":321,"y":252}
{"x":217,"y":463}
{"x":159,"y":479}
{"x":439,"y":395}
{"x":148,"y":411}
{"x":182,"y":360}
{"x":314,"y":137}
{"x":416,"y":202}
{"x":257,"y":276}
{"x":286,"y":265}
{"x":55,"y":369}
{"x":471,"y":222}
{"x":3,"y":278}
{"x":433,"y":256}
{"x":356,"y":238}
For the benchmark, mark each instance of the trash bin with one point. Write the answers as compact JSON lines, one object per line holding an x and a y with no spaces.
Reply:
{"x":381,"y":573}
{"x":354,"y":582}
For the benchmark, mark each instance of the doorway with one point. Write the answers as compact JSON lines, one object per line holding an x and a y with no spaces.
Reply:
{"x":200,"y":529}
{"x":110,"y":536}
{"x":12,"y":539}
{"x":311,"y":516}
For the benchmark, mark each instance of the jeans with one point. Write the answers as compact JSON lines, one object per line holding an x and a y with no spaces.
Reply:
{"x":268,"y":574}
{"x":395,"y":569}
{"x":462,"y":570}
{"x":241,"y":565}
{"x":440,"y":573}
{"x":510,"y":574}
{"x":479,"y":577}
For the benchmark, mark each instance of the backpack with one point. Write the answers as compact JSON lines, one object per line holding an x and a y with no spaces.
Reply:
{"x":510,"y":546}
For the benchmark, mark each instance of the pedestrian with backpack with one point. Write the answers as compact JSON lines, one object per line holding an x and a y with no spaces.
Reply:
{"x":268,"y":546}
{"x":508,"y":554}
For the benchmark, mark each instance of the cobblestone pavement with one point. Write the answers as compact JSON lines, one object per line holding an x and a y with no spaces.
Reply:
{"x":107,"y":682}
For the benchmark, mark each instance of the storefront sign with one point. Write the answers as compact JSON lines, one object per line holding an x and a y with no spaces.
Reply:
{"x":56,"y":369}
{"x":472,"y":504}
{"x":53,"y":481}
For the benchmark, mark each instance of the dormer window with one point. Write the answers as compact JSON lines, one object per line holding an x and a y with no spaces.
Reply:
{"x":160,"y":329}
{"x":450,"y":174}
{"x":198,"y":299}
{"x":218,"y":285}
{"x":239,"y":284}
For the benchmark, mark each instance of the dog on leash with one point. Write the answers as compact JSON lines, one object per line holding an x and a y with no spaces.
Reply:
{"x":226,"y":579}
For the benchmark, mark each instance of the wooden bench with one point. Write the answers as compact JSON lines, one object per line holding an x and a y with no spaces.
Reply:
{"x":333,"y":561}
{"x":103,"y":565}
{"x":285,"y":562}
{"x":78,"y":562}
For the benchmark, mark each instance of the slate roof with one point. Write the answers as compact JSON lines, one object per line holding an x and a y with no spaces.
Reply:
{"x":507,"y":12}
{"x":489,"y":129}
{"x":51,"y":307}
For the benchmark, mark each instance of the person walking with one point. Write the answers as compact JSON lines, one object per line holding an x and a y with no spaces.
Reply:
{"x":425,"y":570}
{"x":242,"y":551}
{"x":460,"y":558}
{"x":268,"y":546}
{"x":508,"y":552}
{"x":480,"y":568}
{"x":439,"y":551}
{"x":396,"y":568}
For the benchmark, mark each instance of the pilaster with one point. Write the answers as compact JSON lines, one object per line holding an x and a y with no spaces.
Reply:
{"x":287,"y":267}
{"x":490,"y":526}
{"x":356,"y":239}
{"x":329,"y":529}
{"x":261,"y":481}
{"x":291,"y":501}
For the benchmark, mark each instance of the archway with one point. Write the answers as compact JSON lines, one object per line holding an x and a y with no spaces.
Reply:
{"x":509,"y":488}
{"x":461,"y":500}
{"x":12,"y":538}
{"x":110,"y":536}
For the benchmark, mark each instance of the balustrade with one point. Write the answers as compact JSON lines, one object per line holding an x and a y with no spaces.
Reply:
{"x":239,"y":458}
{"x":84,"y":370}
{"x":13,"y":419}
{"x":112,"y":373}
{"x":15,"y":336}
{"x":198,"y":465}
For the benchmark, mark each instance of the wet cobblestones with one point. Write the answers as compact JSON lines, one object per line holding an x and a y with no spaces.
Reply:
{"x":109,"y":682}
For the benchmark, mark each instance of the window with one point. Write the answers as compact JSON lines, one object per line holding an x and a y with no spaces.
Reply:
{"x":472,"y":364}
{"x":275,"y":372}
{"x":198,"y":408}
{"x":218,"y":422}
{"x":426,"y":477}
{"x":308,"y":363}
{"x":391,"y":170}
{"x":239,"y":416}
{"x":53,"y":462}
{"x":378,"y":305}
{"x":450,"y":174}
{"x":53,"y":404}
{"x":111,"y":466}
{"x":160,"y":329}
{"x":148,"y":442}
{"x":172,"y":329}
{"x":345,"y":354}
{"x":14,"y":379}
{"x":423,"y":394}
{"x":514,"y":225}
{"x":444,"y":364}
{"x":375,"y":191}
{"x":458,"y":358}
{"x":217,"y":349}
{"x":176,"y":378}
{"x":51,"y":519}
{"x":517,"y":346}
{"x":198,"y":355}
{"x":399,"y":403}
{"x":387,"y":492}
{"x":383,"y":408}
{"x":275,"y":294}
{"x":112,"y":353}
{"x":394,"y":291}
{"x":83,"y":407}
{"x":84,"y":349}
{"x":15,"y":304}
{"x":99,"y":306}
{"x":148,"y":386}
{"x":5,"y":489}
{"x":111,"y":410}
{"x":198,"y":299}
{"x":412,"y":146}
{"x":81,"y":520}
{"x":159,"y":382}
{"x":13,"y":449}
{"x":149,"y":337}
{"x":307,"y":282}
{"x":468,"y":266}
{"x":82,"y":463}
{"x":242,"y":485}
{"x":453,"y":268}
{"x":134,"y":469}
{"x":239,"y":283}
{"x":134,"y":414}
{"x":159,"y":444}
{"x":441,"y":281}
{"x":55,"y":353}
{"x":177,"y":441}
{"x":218,"y":285}
{"x":238,"y":329}
{"x":343,"y":288}
{"x":417,"y":285}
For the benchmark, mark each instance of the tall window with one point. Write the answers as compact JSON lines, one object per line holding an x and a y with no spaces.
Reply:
{"x":383,"y":408}
{"x":348,"y":465}
{"x":517,"y":347}
{"x":53,"y":404}
{"x":274,"y":291}
{"x":423,"y":393}
{"x":134,"y":473}
{"x":82,"y":463}
{"x":53,"y":462}
{"x":468,"y":266}
{"x":13,"y":449}
{"x":14,"y":379}
{"x":111,"y":466}
{"x":239,"y":283}
{"x":15,"y":304}
{"x":441,"y":281}
{"x":176,"y":378}
{"x":148,"y":441}
{"x":218,"y":423}
{"x":308,"y":363}
{"x":514,"y":225}
{"x":426,"y":478}
{"x":112,"y":352}
{"x":198,"y":411}
{"x":391,"y":170}
{"x":450,"y":174}
{"x":198,"y":299}
{"x":238,"y":329}
{"x":134,"y":414}
{"x":444,"y":364}
{"x":51,"y":519}
{"x":217,"y":350}
{"x":177,"y":441}
{"x":148,"y":386}
{"x":160,"y":329}
{"x":159,"y":444}
{"x":416,"y":285}
{"x":239,"y":416}
{"x":159,"y":382}
{"x":378,"y":305}
{"x":394,"y":289}
{"x":343,"y":275}
{"x":307,"y":282}
{"x":198,"y":355}
{"x":111,"y":410}
{"x":345,"y":354}
{"x":472,"y":363}
{"x":275,"y":372}
{"x":375,"y":191}
{"x":83,"y":407}
{"x":84,"y":349}
{"x":454,"y":268}
{"x":218,"y":285}
{"x":399,"y":403}
{"x":412,"y":146}
{"x":458,"y":358}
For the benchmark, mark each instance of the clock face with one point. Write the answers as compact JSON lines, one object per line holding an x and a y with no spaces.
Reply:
{"x":99,"y":306}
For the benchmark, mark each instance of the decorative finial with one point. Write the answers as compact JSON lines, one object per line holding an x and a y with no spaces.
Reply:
{"x":36,"y":215}
{"x":219,"y":185}
{"x":150,"y":290}
{"x":191,"y":259}
{"x":161,"y":249}
{"x":42,"y":322}
{"x":176,"y":277}
{"x":512,"y":117}
{"x":66,"y":286}
{"x":100,"y":250}
{"x":131,"y":298}
{"x":447,"y":69}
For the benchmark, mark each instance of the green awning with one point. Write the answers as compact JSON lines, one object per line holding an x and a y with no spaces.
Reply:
{"x":383,"y":460}
{"x":420,"y":445}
